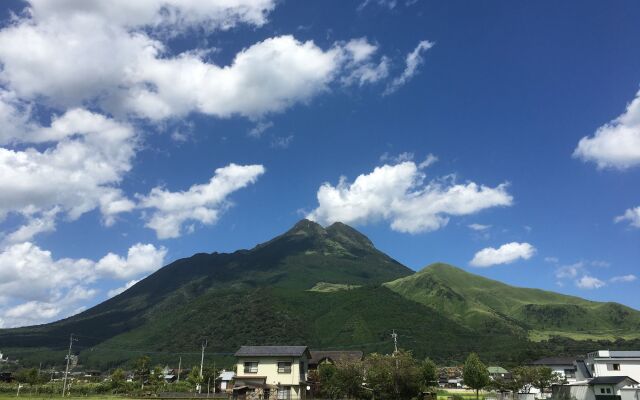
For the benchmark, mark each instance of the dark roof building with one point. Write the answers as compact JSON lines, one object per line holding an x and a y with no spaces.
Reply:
{"x":612,"y":380}
{"x":333,"y":356}
{"x":273,"y":351}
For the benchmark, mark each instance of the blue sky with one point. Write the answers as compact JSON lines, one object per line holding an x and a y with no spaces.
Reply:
{"x":137,"y":134}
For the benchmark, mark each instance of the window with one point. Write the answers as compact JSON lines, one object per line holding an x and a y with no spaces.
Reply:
{"x":284,"y":367}
{"x":602,"y":390}
{"x":616,"y":367}
{"x":251,"y":367}
{"x":284,"y":393}
{"x":608,"y":390}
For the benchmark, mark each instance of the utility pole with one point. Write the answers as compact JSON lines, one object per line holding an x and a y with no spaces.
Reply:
{"x":394,"y":336}
{"x":179,"y":368}
{"x":204,"y":346}
{"x":66,"y":371}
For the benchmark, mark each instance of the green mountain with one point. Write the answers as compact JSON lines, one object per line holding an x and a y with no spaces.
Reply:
{"x":323,"y":287}
{"x":489,"y":306}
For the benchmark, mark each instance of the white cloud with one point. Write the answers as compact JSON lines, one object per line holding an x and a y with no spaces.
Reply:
{"x":281,"y":142}
{"x":202,"y":203}
{"x":39,"y":288}
{"x":168,"y":14}
{"x":505,"y":254}
{"x":589,"y":282}
{"x":117,"y":291}
{"x":632,"y":216}
{"x":413,"y":61}
{"x":125,"y":70}
{"x":569,"y":271}
{"x":552,"y":260}
{"x":84,"y":158}
{"x":616,"y":144}
{"x":479,"y":227}
{"x":260,"y":128}
{"x":623,"y":278}
{"x":398,"y":194}
{"x":428,"y":161}
{"x":141,"y":259}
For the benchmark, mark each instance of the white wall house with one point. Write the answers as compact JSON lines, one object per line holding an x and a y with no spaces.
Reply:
{"x":271,"y":373}
{"x":614,"y":363}
{"x":562,"y":366}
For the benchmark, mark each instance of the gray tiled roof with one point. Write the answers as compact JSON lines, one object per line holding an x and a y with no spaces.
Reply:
{"x":610,"y":380}
{"x":335,"y":355}
{"x":272,"y":351}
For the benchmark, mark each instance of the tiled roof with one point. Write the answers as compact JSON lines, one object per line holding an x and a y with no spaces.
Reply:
{"x":334,"y":355}
{"x":272,"y":351}
{"x":610,"y":380}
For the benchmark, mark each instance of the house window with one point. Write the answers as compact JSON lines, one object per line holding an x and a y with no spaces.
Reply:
{"x":616,"y":367}
{"x":284,"y":393}
{"x":284,"y":367}
{"x":251,"y":367}
{"x":602,"y":390}
{"x":608,"y":390}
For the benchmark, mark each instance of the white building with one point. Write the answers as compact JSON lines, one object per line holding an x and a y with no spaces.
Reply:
{"x":225,"y":379}
{"x":613,"y":363}
{"x":564,"y":367}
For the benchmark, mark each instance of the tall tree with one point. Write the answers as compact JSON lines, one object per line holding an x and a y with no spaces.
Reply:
{"x":475,"y":374}
{"x":117,"y":380}
{"x":544,"y":377}
{"x":394,"y":377}
{"x":141,"y":368}
{"x":429,"y":372}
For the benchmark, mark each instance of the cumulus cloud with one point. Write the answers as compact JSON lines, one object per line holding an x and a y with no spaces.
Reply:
{"x":615,"y":144}
{"x":413,"y":62}
{"x":398,"y":194}
{"x":632,"y":216}
{"x":589,"y":282}
{"x":569,"y":271}
{"x":505,"y":254}
{"x":202,"y":203}
{"x":41,"y":288}
{"x":117,"y":291}
{"x":81,"y":159}
{"x":125,"y":69}
{"x":141,"y":259}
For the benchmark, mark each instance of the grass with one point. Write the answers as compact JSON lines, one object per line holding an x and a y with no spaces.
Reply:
{"x":538,"y":336}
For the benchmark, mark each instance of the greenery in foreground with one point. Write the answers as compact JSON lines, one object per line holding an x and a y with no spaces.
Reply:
{"x":397,"y":376}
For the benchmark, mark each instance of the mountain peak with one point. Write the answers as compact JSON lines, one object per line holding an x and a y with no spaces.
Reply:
{"x":307,"y":227}
{"x":344,"y":233}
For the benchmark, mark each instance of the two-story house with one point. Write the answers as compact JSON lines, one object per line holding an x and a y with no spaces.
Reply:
{"x":271,"y":372}
{"x":614,"y":363}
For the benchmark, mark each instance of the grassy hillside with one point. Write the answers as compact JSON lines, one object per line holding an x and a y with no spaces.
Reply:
{"x":488,"y":305}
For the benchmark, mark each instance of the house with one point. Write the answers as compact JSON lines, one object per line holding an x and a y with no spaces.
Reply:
{"x":332,"y":356}
{"x":611,"y":363}
{"x":599,"y":388}
{"x":225,"y":379}
{"x":498,"y":373}
{"x":563,"y":366}
{"x":271,"y":372}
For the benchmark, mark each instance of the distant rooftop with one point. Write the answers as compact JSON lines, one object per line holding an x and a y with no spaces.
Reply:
{"x":611,"y":380}
{"x":272,"y":351}
{"x":334,"y":355}
{"x":615,"y":354}
{"x":554,"y":361}
{"x":497,"y":370}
